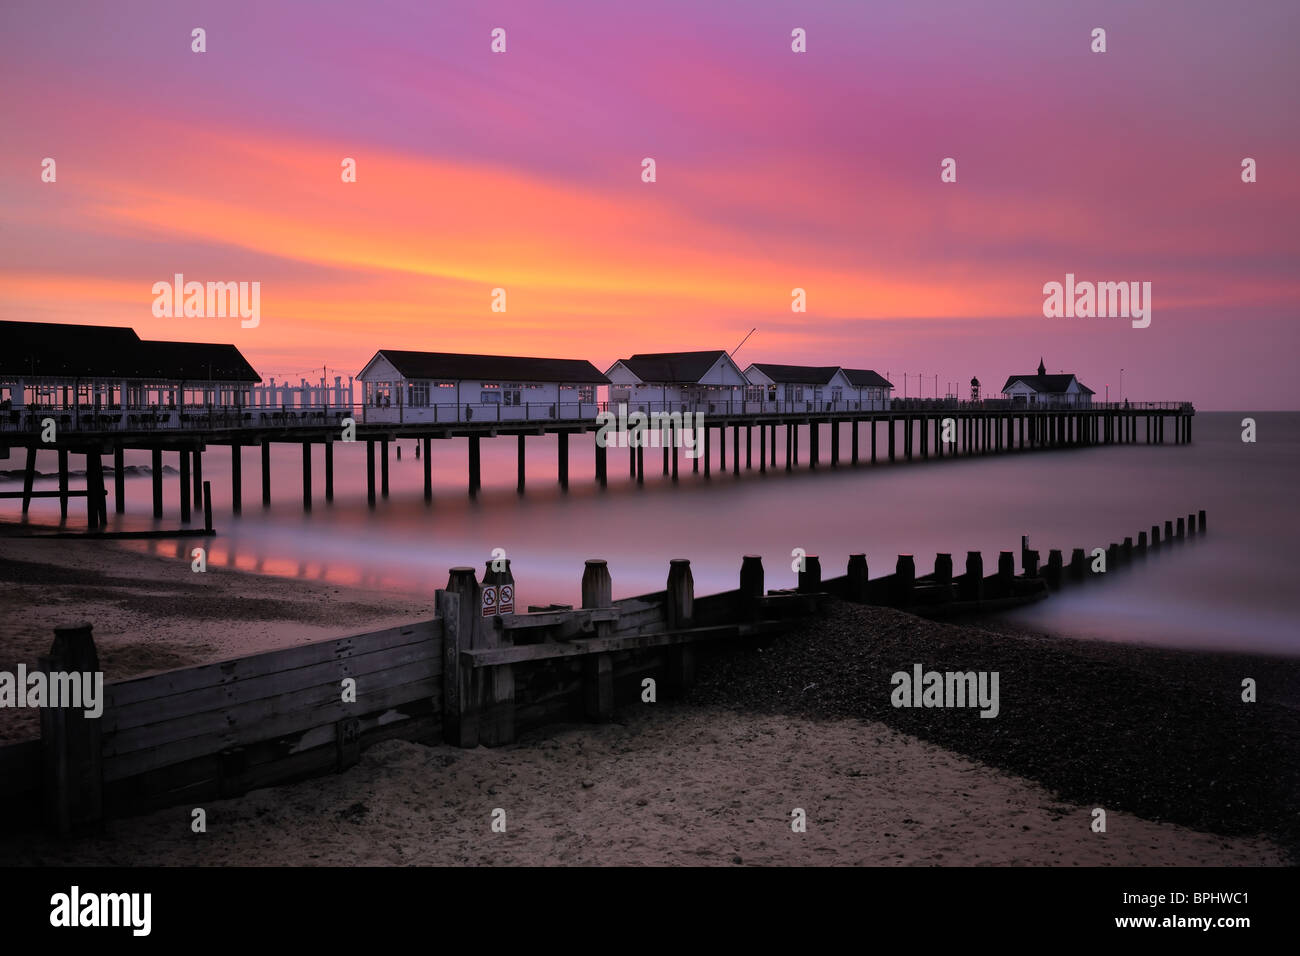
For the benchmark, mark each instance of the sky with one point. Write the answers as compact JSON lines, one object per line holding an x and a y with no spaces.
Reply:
{"x":775,"y":170}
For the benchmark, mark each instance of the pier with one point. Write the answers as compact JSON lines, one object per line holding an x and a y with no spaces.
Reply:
{"x":907,"y":431}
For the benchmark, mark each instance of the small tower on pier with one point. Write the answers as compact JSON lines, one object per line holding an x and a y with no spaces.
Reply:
{"x":974,"y":390}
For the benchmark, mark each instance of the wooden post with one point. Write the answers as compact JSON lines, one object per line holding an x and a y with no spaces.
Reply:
{"x":749,"y":448}
{"x":1078,"y":564}
{"x":677,"y":440}
{"x":475,"y":478}
{"x":1031,"y":564}
{"x":857,"y":578}
{"x":1054,"y":569}
{"x":1006,"y":570}
{"x":835,"y":443}
{"x":207,"y":506}
{"x":185,"y":485}
{"x":973,"y":585}
{"x":1155,"y":536}
{"x":306,"y":476}
{"x":680,"y":613}
{"x":789,"y":445}
{"x":72,"y":742}
{"x":762,"y":449}
{"x":810,"y":577}
{"x":198,"y":478}
{"x":598,"y":669}
{"x":707,"y":466}
{"x":428,"y":469}
{"x":891,"y":439}
{"x":943,"y":568}
{"x":1191,"y":524}
{"x":1112,"y":556}
{"x":722,"y":448}
{"x":370,"y":472}
{"x":458,"y":609}
{"x":562,"y":440}
{"x":1169,"y":531}
{"x":383,"y":467}
{"x":119,"y":480}
{"x":29,"y":474}
{"x":873,"y":441}
{"x":640,"y":458}
{"x":853,"y":444}
{"x":735,"y":449}
{"x":494,"y":687}
{"x":266,"y":474}
{"x":1126,"y":550}
{"x":236,"y":477}
{"x":329,"y":469}
{"x":1181,"y":529}
{"x":63,"y":484}
{"x":519,"y":465}
{"x":1142,"y":543}
{"x":1200,"y":520}
{"x":904,"y":579}
{"x":601,"y":461}
{"x":751,"y":583}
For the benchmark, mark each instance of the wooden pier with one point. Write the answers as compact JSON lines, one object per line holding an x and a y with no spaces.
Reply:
{"x":902,"y":433}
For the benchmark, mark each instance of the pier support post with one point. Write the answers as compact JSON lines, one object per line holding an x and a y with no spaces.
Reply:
{"x":705,"y":456}
{"x":198,"y":478}
{"x":789,"y":439}
{"x":680,"y":612}
{"x":853,"y":451}
{"x":236,"y":477}
{"x":207,"y":507}
{"x":773,"y":444}
{"x":475,"y":474}
{"x":562,"y":440}
{"x":329,"y":469}
{"x":749,"y":448}
{"x":428,"y":469}
{"x":762,"y":449}
{"x":873,"y":441}
{"x":640,"y":458}
{"x":835,"y":443}
{"x":519,"y":469}
{"x":795,"y":446}
{"x":1200,"y":521}
{"x":306,"y":476}
{"x":29,"y":475}
{"x":185,"y":485}
{"x":602,"y":462}
{"x":370,"y":472}
{"x":72,"y":743}
{"x":722,"y":448}
{"x":266,"y":474}
{"x":63,"y":484}
{"x":119,"y":480}
{"x":383,"y":467}
{"x":676,"y":439}
{"x":155,"y":466}
{"x":735,"y":449}
{"x":891,"y":439}
{"x":814,"y":444}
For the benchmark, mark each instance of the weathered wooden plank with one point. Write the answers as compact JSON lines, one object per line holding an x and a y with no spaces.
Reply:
{"x":271,"y":685}
{"x":138,"y":761}
{"x":583,"y":618}
{"x":184,"y":680}
{"x":491,"y":657}
{"x":250,"y":717}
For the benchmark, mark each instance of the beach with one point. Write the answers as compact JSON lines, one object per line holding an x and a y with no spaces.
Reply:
{"x":800,"y":722}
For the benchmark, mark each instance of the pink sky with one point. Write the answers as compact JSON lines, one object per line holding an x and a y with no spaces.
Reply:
{"x":776,"y":170}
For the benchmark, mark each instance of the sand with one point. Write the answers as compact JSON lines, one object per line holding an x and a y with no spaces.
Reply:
{"x":669,"y":783}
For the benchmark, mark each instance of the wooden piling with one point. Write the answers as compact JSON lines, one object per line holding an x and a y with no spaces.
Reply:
{"x":1052,"y":573}
{"x":198,"y":477}
{"x":184,"y":457}
{"x":1078,"y":564}
{"x":857,"y":577}
{"x":29,"y":474}
{"x":458,"y":610}
{"x":735,"y":449}
{"x":943,"y":569}
{"x":63,"y":484}
{"x":602,"y":461}
{"x":155,"y":466}
{"x":1191,"y":525}
{"x":519,"y":465}
{"x":1155,"y":536}
{"x":383,"y":467}
{"x":751,"y":583}
{"x":598,"y":669}
{"x":1200,"y":521}
{"x":266,"y":474}
{"x":370,"y":472}
{"x":119,"y":480}
{"x":306,"y":476}
{"x":1006,"y":569}
{"x":972,"y":587}
{"x":475,"y":474}
{"x":71,"y":742}
{"x":680,"y":614}
{"x":236,"y":477}
{"x":428,"y":469}
{"x":1182,"y":531}
{"x":904,"y":580}
{"x":1031,"y":564}
{"x":207,"y":507}
{"x":810,"y":575}
{"x":1169,"y":531}
{"x":762,"y":449}
{"x":97,"y":504}
{"x":329,"y":469}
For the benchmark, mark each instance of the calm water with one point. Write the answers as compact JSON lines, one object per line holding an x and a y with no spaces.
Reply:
{"x":1228,"y":590}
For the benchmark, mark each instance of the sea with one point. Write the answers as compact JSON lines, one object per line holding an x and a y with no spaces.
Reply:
{"x":1228,"y":590}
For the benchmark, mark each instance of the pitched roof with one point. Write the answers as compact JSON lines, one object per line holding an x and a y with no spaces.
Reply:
{"x":866,"y":378}
{"x":56,"y":350}
{"x":806,"y":374}
{"x":493,"y":368}
{"x":1049,"y":384}
{"x":670,"y":367}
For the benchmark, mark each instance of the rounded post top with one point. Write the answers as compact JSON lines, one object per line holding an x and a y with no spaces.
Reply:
{"x":596,"y":562}
{"x":73,"y":630}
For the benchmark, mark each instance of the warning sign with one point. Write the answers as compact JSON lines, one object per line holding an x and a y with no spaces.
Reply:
{"x":507,"y":599}
{"x":489,"y":601}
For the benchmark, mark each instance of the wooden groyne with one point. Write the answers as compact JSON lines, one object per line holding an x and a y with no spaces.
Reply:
{"x":477,"y":672}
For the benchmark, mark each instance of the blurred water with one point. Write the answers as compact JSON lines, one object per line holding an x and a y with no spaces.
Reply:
{"x":1225,"y":591}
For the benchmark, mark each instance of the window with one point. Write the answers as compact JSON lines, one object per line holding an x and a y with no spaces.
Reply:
{"x":512,"y":395}
{"x":586,"y":393}
{"x":798,"y":392}
{"x":837,"y":393}
{"x":417,"y":395}
{"x":753,"y":393}
{"x":771,"y":393}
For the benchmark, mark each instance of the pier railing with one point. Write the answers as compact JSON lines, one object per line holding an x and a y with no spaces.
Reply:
{"x":110,"y":419}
